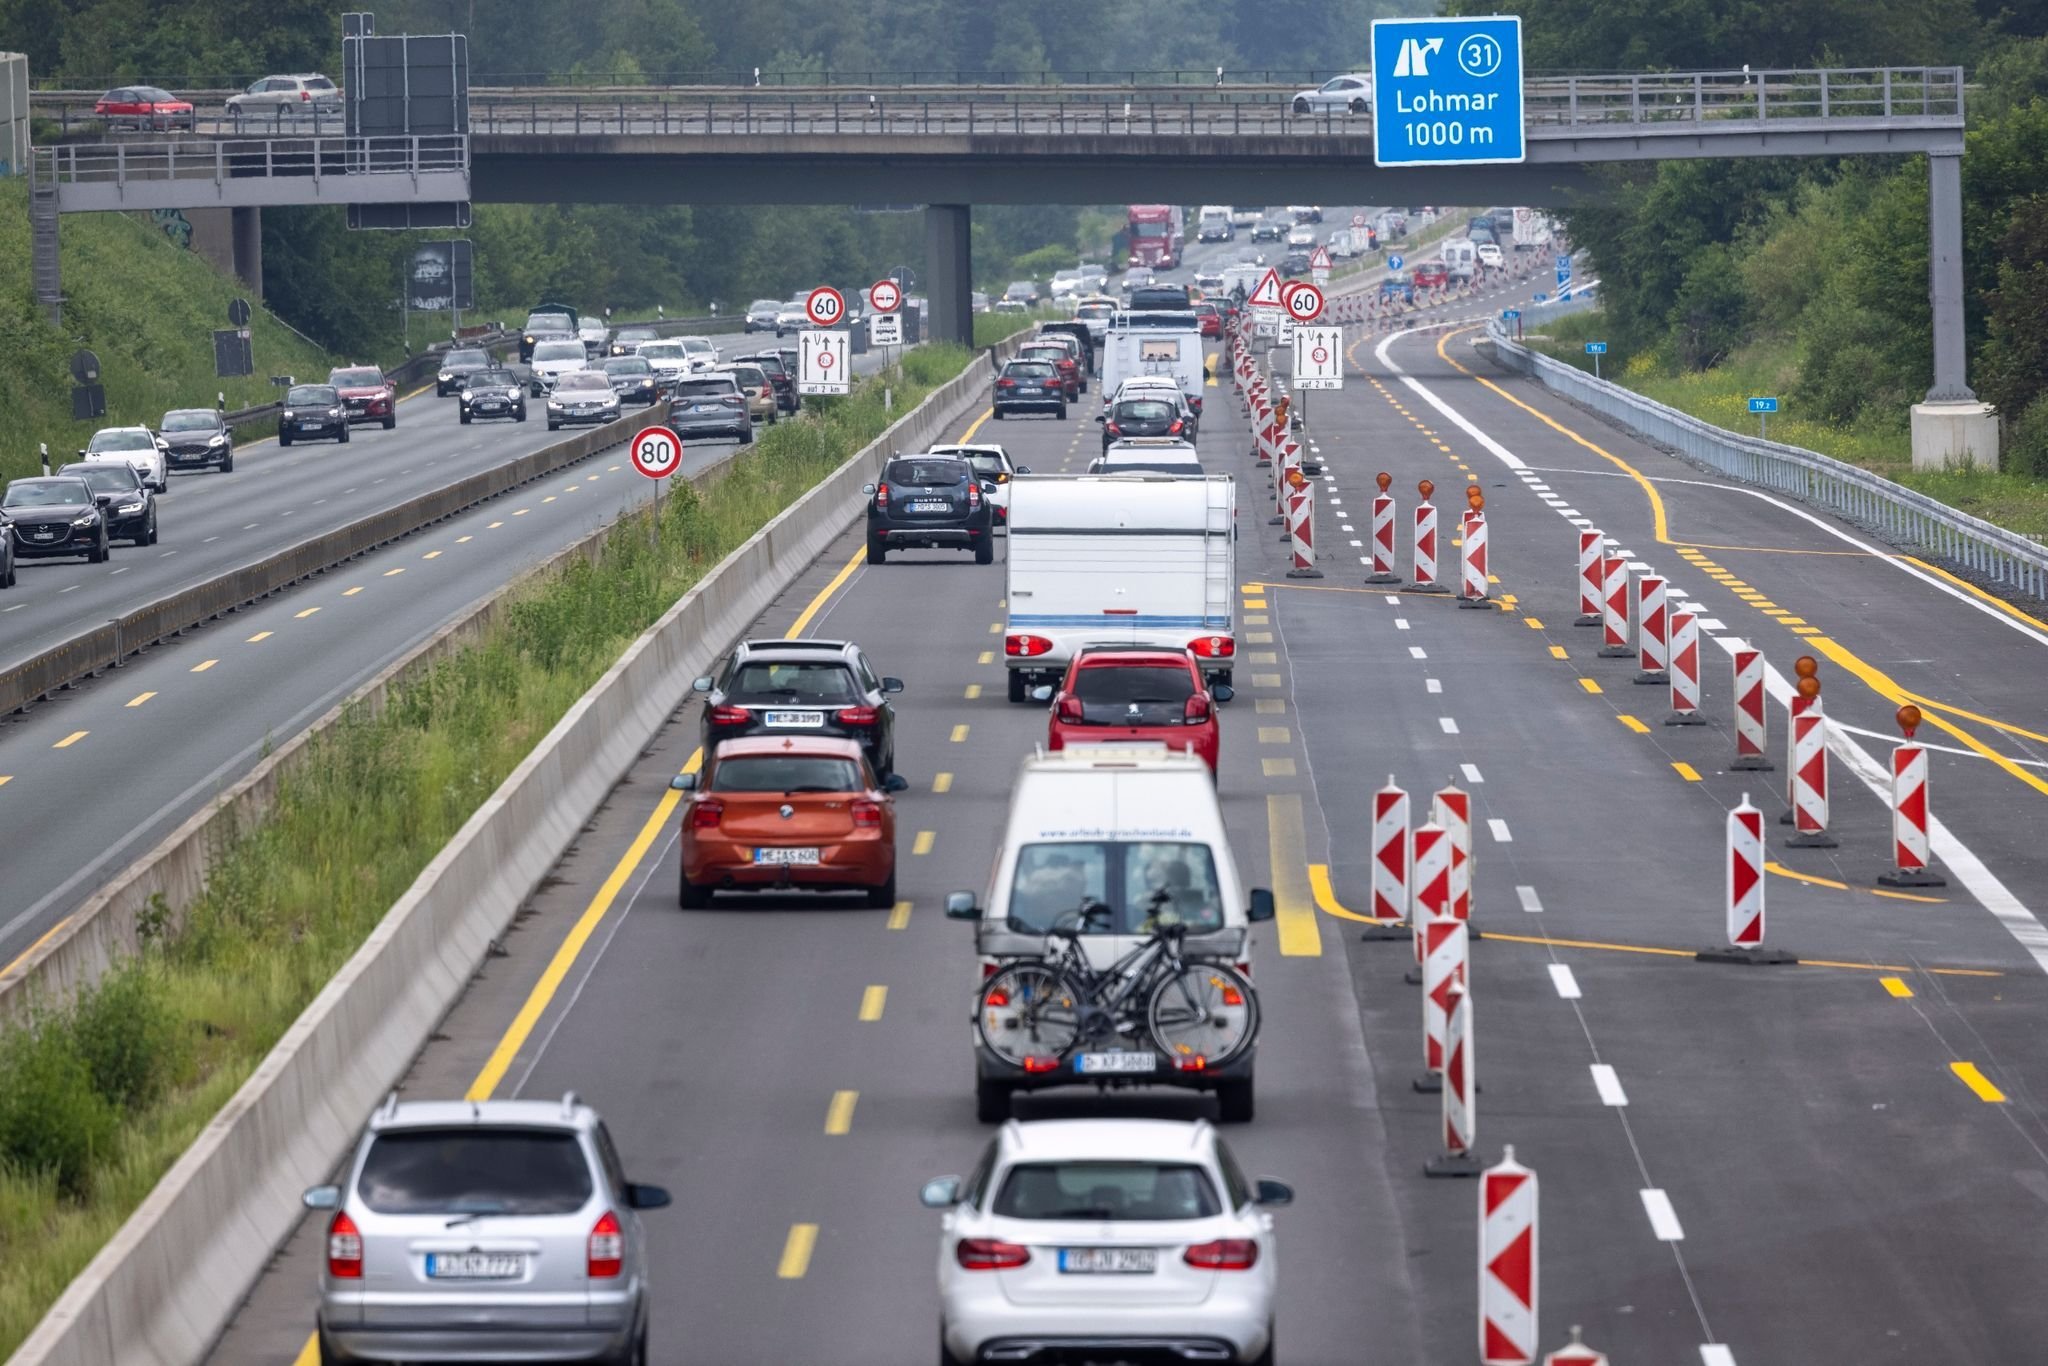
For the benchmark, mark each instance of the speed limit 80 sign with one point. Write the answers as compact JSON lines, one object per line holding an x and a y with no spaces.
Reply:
{"x":657,"y":452}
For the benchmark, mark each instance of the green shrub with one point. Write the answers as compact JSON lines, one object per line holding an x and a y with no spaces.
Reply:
{"x":52,"y":1117}
{"x":126,"y":1036}
{"x":2026,"y":445}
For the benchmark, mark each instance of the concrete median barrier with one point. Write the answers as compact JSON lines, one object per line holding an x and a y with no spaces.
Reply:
{"x":166,"y":1284}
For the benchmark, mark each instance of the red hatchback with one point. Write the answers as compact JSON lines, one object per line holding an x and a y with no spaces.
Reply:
{"x":366,"y":396}
{"x":1061,"y":358}
{"x":1114,"y":694}
{"x":1210,"y":319}
{"x":1431,"y":275}
{"x":144,"y":107}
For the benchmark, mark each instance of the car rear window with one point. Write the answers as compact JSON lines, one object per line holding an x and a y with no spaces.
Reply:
{"x":466,"y":358}
{"x":1029,"y":369}
{"x":308,"y":396}
{"x":786,"y":773}
{"x":107,"y":478}
{"x":706,"y":388}
{"x":361,"y":377}
{"x":986,"y":464}
{"x":1134,"y":684}
{"x":1122,"y":1190}
{"x":493,"y":379}
{"x":579,"y":380}
{"x":1145,"y":410}
{"x":627,"y":365}
{"x":120,"y":441}
{"x":927,"y":472}
{"x":552,"y":322}
{"x":816,"y":682}
{"x":475,"y":1171}
{"x":1046,"y":353}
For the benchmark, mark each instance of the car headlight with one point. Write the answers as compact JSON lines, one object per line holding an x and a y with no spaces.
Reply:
{"x":288,"y":414}
{"x":86,"y":522}
{"x":554,"y":403}
{"x":465,"y":395}
{"x":444,"y":377}
{"x":334,"y":412}
{"x":216,"y":441}
{"x":129,"y":509}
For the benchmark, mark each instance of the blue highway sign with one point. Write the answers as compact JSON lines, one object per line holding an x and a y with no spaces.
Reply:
{"x":1596,"y":348}
{"x":1447,"y":92}
{"x":1394,"y":262}
{"x":1763,"y":405}
{"x":1511,"y":313}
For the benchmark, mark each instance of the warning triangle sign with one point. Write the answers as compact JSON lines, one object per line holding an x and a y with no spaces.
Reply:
{"x":1267,"y":294}
{"x":1319,"y":259}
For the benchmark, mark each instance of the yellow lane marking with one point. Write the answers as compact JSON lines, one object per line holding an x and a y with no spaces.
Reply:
{"x":494,"y":526}
{"x":393,"y":573}
{"x":923,"y":843}
{"x":1806,"y":630}
{"x":431,"y":555}
{"x":871,"y":1002}
{"x":465,"y":540}
{"x":1270,"y":706}
{"x":203,"y":665}
{"x":351,"y":592}
{"x":1633,"y":724}
{"x":5,"y":779}
{"x":803,"y":618}
{"x":41,"y":940}
{"x":796,"y":1253}
{"x":839,"y":1114}
{"x":1287,"y":849}
{"x":942,"y":783}
{"x":972,"y":427}
{"x":521,"y":512}
{"x":1257,"y":619}
{"x":1686,"y":771}
{"x":140,"y":698}
{"x":1896,"y":986}
{"x":1534,"y":624}
{"x":549,"y":499}
{"x":995,"y":628}
{"x":1772,"y":866}
{"x":2000,"y":603}
{"x":1255,"y":602}
{"x":899,"y":916}
{"x":1275,"y":735}
{"x":1589,"y":685}
{"x":259,"y":636}
{"x":1661,"y":952}
{"x":1265,"y":656}
{"x":985,"y":657}
{"x":1968,"y":1075}
{"x":973,"y":691}
{"x":1277,"y":768}
{"x":1557,"y":652}
{"x":1326,"y":896}
{"x":73,"y":738}
{"x":960,"y":733}
{"x":572,"y":488}
{"x":1787,"y":619}
{"x":1258,"y":637}
{"x":2005,"y":726}
{"x":301,"y":616}
{"x":1265,"y":680}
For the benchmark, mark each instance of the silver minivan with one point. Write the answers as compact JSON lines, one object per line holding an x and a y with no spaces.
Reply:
{"x":498,"y":1230}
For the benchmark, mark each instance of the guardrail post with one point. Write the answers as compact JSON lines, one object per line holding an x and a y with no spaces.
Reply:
{"x":1823,"y":92}
{"x":1635,"y":99}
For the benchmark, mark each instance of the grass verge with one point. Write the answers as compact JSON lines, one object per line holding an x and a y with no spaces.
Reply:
{"x":2015,"y":501}
{"x":97,"y":1099}
{"x":146,"y":307}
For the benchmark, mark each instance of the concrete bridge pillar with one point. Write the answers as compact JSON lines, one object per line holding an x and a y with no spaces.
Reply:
{"x":949,"y":272}
{"x":1950,"y":426}
{"x":246,"y":233}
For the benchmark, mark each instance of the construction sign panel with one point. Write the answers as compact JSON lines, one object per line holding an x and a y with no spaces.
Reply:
{"x":1318,"y":358}
{"x":822,"y":363}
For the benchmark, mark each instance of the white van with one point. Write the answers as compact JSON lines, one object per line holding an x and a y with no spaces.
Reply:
{"x":1461,"y":258}
{"x":1112,"y":827}
{"x":1134,"y":345}
{"x":1126,"y":559}
{"x":1214,"y":225}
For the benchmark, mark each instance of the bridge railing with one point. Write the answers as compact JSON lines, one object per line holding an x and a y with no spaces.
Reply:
{"x":225,"y":159}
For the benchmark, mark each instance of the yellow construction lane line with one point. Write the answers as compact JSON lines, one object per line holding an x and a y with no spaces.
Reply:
{"x":1780,"y":870}
{"x":796,"y":1252}
{"x":1661,"y":952}
{"x":899,"y":916}
{"x":2000,"y":603}
{"x":41,"y":940}
{"x":1967,"y":1073}
{"x":839,"y":1114}
{"x":1326,"y":896}
{"x":922,"y":845}
{"x":1897,"y":987}
{"x":872,"y":1003}
{"x":1294,"y":907}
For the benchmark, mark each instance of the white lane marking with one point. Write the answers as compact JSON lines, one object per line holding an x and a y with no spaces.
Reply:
{"x":1356,"y":543}
{"x":1432,"y":685}
{"x":1449,"y":724}
{"x":1608,"y":1085}
{"x":1572,"y":513}
{"x":1537,"y":484}
{"x":72,"y":589}
{"x":1472,"y":773}
{"x":122,"y":570}
{"x":1417,"y":652}
{"x":1663,"y":1219}
{"x":1993,"y":895}
{"x":1400,"y":623}
{"x":1714,"y":1354}
{"x":1458,"y":419}
{"x":1393,"y":599}
{"x":16,"y":608}
{"x":1566,"y":984}
{"x":167,"y":554}
{"x":209,"y":540}
{"x":1530,"y":901}
{"x":1713,"y":624}
{"x":1499,"y":828}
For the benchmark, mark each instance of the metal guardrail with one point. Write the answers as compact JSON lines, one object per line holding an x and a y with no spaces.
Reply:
{"x":1895,"y":513}
{"x":225,"y":159}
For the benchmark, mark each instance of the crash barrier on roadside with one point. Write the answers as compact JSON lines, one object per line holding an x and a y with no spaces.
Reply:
{"x":1685,"y":671}
{"x":1509,"y":1263}
{"x":170,"y":1278}
{"x":1592,"y":565}
{"x":1653,"y":655}
{"x":1911,"y":812}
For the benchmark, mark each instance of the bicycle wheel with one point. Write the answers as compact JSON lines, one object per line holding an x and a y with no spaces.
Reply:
{"x":1028,"y":1010}
{"x":1203,"y":1010}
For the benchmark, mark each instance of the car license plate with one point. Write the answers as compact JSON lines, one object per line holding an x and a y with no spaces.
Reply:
{"x":703,"y":407}
{"x":785,"y":856}
{"x":309,"y":426}
{"x":475,"y":1266}
{"x":42,"y":534}
{"x":931,"y":505}
{"x":1109,"y":1261}
{"x":1122,"y":1060}
{"x":805,"y":720}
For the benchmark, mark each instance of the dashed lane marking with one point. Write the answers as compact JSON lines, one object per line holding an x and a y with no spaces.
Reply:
{"x":1589,"y":685}
{"x":73,"y":738}
{"x":259,"y":636}
{"x":1663,"y":1219}
{"x":960,"y":733}
{"x":839,"y":1114}
{"x":923,"y":843}
{"x":796,"y":1252}
{"x":1499,"y":830}
{"x":942,"y":783}
{"x":203,"y":665}
{"x":1897,"y":987}
{"x":1293,"y":900}
{"x":1608,"y":1084}
{"x":1566,"y":984}
{"x":899,"y":916}
{"x":1530,"y":901}
{"x":1686,"y":771}
{"x":301,"y":616}
{"x":872,"y":1002}
{"x":1968,"y":1075}
{"x":140,"y":698}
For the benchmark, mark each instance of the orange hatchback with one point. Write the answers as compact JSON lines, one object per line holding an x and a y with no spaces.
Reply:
{"x":785,"y":813}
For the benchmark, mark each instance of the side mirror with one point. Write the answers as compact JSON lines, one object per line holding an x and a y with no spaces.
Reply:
{"x":896,"y":782}
{"x":702,"y":685}
{"x":1222,"y":692}
{"x":683,"y":782}
{"x":960,"y":906}
{"x":1023,"y":469}
{"x":1271,"y":1192}
{"x":1261,"y":908}
{"x":892,"y":685}
{"x":941,"y":1192}
{"x":657,"y":1197}
{"x":322,"y":1197}
{"x":867,"y":490}
{"x":1102,"y":417}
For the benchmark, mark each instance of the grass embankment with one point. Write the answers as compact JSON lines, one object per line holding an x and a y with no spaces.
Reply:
{"x":146,"y":306}
{"x":991,"y":328}
{"x":1721,"y":396}
{"x":98,"y":1099}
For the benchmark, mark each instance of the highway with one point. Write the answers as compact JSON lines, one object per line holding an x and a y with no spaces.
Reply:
{"x":1838,"y":1162}
{"x":145,"y":745}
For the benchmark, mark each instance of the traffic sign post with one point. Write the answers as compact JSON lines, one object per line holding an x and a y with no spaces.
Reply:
{"x":1763,"y":408}
{"x":1318,"y":358}
{"x":821,"y":363}
{"x":885,"y":296}
{"x":1564,"y":278}
{"x":825,"y":306}
{"x":657,"y":453}
{"x":1596,"y":350}
{"x":1447,"y":92}
{"x":1513,"y":315}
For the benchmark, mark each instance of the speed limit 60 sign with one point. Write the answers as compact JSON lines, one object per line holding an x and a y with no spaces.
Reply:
{"x":657,"y":452}
{"x":1304,"y":303}
{"x":825,"y":306}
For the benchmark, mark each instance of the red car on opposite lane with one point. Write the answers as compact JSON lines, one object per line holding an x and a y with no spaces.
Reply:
{"x":145,"y":107}
{"x":366,"y":395}
{"x":1431,"y":275}
{"x":1115,"y":694}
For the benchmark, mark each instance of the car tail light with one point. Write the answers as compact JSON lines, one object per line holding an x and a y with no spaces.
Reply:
{"x":1173,"y":428}
{"x":973,"y":496}
{"x":856,"y":716}
{"x":1006,"y":384}
{"x":733,"y":400}
{"x":705,"y":815}
{"x":344,"y":1248}
{"x":1197,"y":1063}
{"x":1112,"y":429}
{"x":1213,"y":647}
{"x":990,"y":1254}
{"x":1197,"y":708}
{"x":1034,"y":1064}
{"x":1195,"y":402}
{"x":305,"y":95}
{"x":1027,"y":646}
{"x":1070,"y":709}
{"x":882,"y":496}
{"x":1223,"y":1254}
{"x":730,"y":716}
{"x":608,"y":1247}
{"x":867,"y":815}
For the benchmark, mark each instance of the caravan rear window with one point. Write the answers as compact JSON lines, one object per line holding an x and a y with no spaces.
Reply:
{"x":1115,"y":887}
{"x":1159,"y":349}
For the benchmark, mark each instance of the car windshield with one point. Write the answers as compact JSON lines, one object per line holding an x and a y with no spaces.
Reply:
{"x":812,"y":681}
{"x":749,"y":375}
{"x":121,"y":440}
{"x":705,"y":388}
{"x":1054,"y":882}
{"x":1148,"y":229}
{"x":469,"y":358}
{"x":664,"y":350}
{"x":926,"y":473}
{"x":308,"y":396}
{"x":362,"y":377}
{"x":638,"y":334}
{"x":1122,"y":1190}
{"x":1049,"y":354}
{"x":46,"y":493}
{"x":153,"y":95}
{"x":627,"y":365}
{"x":697,"y":345}
{"x":1095,"y":311}
{"x":765,"y":306}
{"x":1145,"y":410}
{"x":786,"y":773}
{"x":559,"y":350}
{"x":191,"y":420}
{"x":513,"y":1172}
{"x":493,"y":379}
{"x":547,"y":322}
{"x":107,"y":478}
{"x":581,"y":381}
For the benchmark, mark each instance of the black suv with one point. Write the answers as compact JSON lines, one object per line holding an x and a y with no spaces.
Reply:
{"x":929,"y":501}
{"x":458,"y":367}
{"x":1271,"y":230}
{"x":197,"y":437}
{"x":781,"y":375}
{"x":544,"y":325}
{"x":1029,"y":385}
{"x":802,"y":687}
{"x":124,"y":500}
{"x":312,"y":410}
